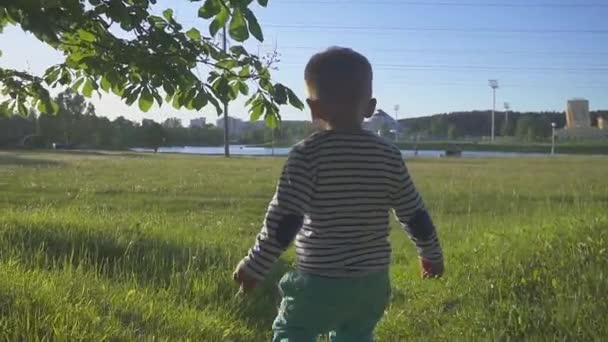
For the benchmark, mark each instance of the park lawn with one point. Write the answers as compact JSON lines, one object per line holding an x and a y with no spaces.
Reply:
{"x":124,"y":246}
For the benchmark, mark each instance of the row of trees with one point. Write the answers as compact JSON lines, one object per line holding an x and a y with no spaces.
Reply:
{"x":524,"y":126}
{"x":76,"y":124}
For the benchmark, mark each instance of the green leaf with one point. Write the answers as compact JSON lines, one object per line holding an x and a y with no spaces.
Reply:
{"x":294,"y":100}
{"x":252,"y":99}
{"x":271,"y":118}
{"x":227,"y":63}
{"x":238,"y":27}
{"x":243,"y":88}
{"x":239,"y":50}
{"x":54,"y":107}
{"x":193,"y":34}
{"x":210,"y":9}
{"x":168,"y":14}
{"x":256,"y":111}
{"x":219,"y":21}
{"x":200,"y":100}
{"x":254,"y":25}
{"x":4,"y":108}
{"x":77,"y":84}
{"x":158,"y":98}
{"x":131,"y":97}
{"x":145,"y":100}
{"x":263,"y":3}
{"x":157,"y":22}
{"x":222,"y":89}
{"x":168,"y":87}
{"x":41,"y":107}
{"x":187,"y":99}
{"x":51,"y":74}
{"x":177,"y":101}
{"x":22,"y":108}
{"x":86,"y":36}
{"x":280,"y":94}
{"x":118,"y":89}
{"x":105,"y":84}
{"x":215,"y":104}
{"x":87,"y":90}
{"x":245,"y":72}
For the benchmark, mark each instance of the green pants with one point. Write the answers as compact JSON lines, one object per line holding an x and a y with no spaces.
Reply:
{"x":348,"y":308}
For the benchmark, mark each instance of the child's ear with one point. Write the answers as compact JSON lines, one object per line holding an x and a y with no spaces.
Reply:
{"x":315,"y":109}
{"x":371,"y":108}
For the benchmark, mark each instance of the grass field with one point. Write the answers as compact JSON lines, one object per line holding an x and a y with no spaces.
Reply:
{"x":141,"y":247}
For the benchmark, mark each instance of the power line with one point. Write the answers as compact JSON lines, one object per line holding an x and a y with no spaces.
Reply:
{"x":482,"y":85}
{"x":450,"y":4}
{"x":463,"y":51}
{"x":435,"y":29}
{"x":448,"y":67}
{"x":492,"y":67}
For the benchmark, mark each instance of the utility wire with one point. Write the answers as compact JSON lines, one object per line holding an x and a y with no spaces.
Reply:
{"x":460,"y":51}
{"x":434,"y":29}
{"x":448,"y":4}
{"x":427,"y":67}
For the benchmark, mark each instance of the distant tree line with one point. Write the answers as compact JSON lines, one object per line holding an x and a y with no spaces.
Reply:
{"x":528,"y":126}
{"x":288,"y":133}
{"x":77,"y":125}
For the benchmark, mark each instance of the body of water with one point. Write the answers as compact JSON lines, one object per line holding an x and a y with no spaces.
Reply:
{"x":242,"y":150}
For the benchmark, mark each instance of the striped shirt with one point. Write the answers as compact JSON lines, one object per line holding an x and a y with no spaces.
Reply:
{"x":334,"y":198}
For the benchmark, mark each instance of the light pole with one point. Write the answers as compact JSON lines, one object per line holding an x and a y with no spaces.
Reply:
{"x":396,"y":123}
{"x":553,"y":138}
{"x":507,"y":108}
{"x":494,"y":85}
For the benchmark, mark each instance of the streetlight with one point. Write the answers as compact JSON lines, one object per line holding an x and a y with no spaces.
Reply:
{"x":507,"y":108}
{"x":396,"y":123}
{"x":553,"y":138}
{"x":494,"y":85}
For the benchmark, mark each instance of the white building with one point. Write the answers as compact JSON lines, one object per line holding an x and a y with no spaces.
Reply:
{"x":198,"y":122}
{"x":235,"y":126}
{"x":380,"y":121}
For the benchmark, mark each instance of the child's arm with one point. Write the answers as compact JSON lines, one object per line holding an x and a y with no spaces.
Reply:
{"x":283,"y":220}
{"x":413,"y":216}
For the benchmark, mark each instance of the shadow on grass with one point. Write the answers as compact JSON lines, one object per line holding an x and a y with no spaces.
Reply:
{"x":18,"y":159}
{"x":129,"y":255}
{"x":126,"y":256}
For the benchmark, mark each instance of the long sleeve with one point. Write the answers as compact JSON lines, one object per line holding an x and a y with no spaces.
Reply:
{"x":284,"y":217}
{"x":413,"y":216}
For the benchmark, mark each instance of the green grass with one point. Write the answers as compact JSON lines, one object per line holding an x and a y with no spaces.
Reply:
{"x":141,"y":247}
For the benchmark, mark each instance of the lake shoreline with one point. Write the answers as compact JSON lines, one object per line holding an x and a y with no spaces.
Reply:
{"x":245,"y":151}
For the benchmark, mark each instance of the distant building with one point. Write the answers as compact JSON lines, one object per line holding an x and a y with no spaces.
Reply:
{"x":578,"y":122}
{"x":602,"y":123}
{"x":198,"y":122}
{"x":379,"y":122}
{"x":235,"y":126}
{"x":577,"y":114}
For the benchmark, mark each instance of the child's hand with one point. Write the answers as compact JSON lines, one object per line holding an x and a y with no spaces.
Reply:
{"x":246,"y":282}
{"x":431,"y":269}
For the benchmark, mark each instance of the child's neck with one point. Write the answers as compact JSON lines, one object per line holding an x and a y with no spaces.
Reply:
{"x":344,"y":127}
